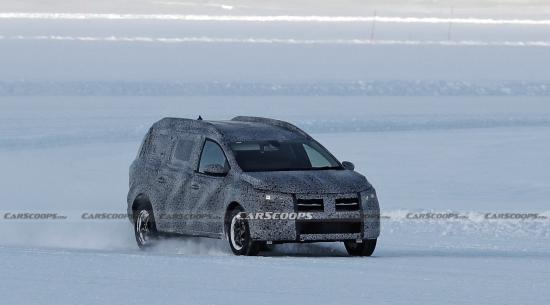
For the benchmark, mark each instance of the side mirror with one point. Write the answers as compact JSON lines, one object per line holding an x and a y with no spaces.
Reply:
{"x":348,"y":165}
{"x":215,"y":170}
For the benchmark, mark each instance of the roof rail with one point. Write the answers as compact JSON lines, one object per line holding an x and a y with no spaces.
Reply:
{"x":185,"y":124}
{"x":273,"y":122}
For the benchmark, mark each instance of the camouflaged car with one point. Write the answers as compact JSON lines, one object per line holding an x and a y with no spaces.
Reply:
{"x":253,"y":181}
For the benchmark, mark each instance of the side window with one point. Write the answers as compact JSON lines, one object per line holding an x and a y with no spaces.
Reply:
{"x":183,"y":150}
{"x":159,"y":145}
{"x":315,"y":157}
{"x":212,"y":154}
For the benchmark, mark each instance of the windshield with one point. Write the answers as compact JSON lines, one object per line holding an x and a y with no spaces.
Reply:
{"x":259,"y":156}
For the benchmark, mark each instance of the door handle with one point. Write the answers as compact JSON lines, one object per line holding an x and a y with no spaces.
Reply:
{"x":161,"y":179}
{"x":195,"y":186}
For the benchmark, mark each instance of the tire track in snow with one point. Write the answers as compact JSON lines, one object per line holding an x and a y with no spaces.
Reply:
{"x":278,"y":18}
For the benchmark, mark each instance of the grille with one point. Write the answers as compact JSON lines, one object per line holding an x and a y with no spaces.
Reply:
{"x":347,"y":204}
{"x":309,"y":205}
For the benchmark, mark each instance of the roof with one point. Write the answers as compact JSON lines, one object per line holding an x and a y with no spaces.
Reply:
{"x":237,"y":129}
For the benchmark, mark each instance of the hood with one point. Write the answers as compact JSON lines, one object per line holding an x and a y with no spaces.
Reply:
{"x":314,"y":181}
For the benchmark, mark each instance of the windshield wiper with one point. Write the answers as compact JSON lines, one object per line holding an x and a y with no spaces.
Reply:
{"x":285,"y":169}
{"x":327,"y":167}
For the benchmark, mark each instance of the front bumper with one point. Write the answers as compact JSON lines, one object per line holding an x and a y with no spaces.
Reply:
{"x":327,"y":224}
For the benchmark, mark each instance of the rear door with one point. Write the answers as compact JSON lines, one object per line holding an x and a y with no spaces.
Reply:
{"x":178,"y":172}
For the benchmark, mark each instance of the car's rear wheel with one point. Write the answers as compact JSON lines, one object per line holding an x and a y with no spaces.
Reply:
{"x":238,"y":233}
{"x":144,"y":227}
{"x":366,"y":248}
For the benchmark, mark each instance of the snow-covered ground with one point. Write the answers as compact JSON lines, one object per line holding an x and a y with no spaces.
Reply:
{"x":70,"y":155}
{"x":443,"y":117}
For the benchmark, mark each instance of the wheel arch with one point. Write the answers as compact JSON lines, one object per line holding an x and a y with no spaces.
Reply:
{"x":141,"y":199}
{"x":226,"y":220}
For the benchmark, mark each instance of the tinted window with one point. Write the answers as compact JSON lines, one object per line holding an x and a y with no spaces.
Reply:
{"x":211,"y":154}
{"x":183,"y":150}
{"x":315,"y":157}
{"x":158,"y":147}
{"x":281,"y":155}
{"x":161,"y":145}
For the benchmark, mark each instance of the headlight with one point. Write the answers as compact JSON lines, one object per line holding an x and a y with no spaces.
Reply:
{"x":270,"y":201}
{"x":368,"y":199}
{"x":276,"y":197}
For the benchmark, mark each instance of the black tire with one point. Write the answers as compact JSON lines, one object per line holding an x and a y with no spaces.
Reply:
{"x":145,"y":229}
{"x":366,"y":248}
{"x":238,"y":234}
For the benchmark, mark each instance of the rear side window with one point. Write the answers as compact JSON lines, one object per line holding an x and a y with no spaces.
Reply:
{"x":159,"y":144}
{"x":183,"y":150}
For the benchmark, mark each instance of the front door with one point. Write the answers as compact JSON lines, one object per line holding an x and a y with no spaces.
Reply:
{"x":204,"y":194}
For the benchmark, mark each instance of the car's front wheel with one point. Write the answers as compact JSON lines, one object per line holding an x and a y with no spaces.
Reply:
{"x":144,"y":227}
{"x":365,"y":248}
{"x":239,"y":234}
